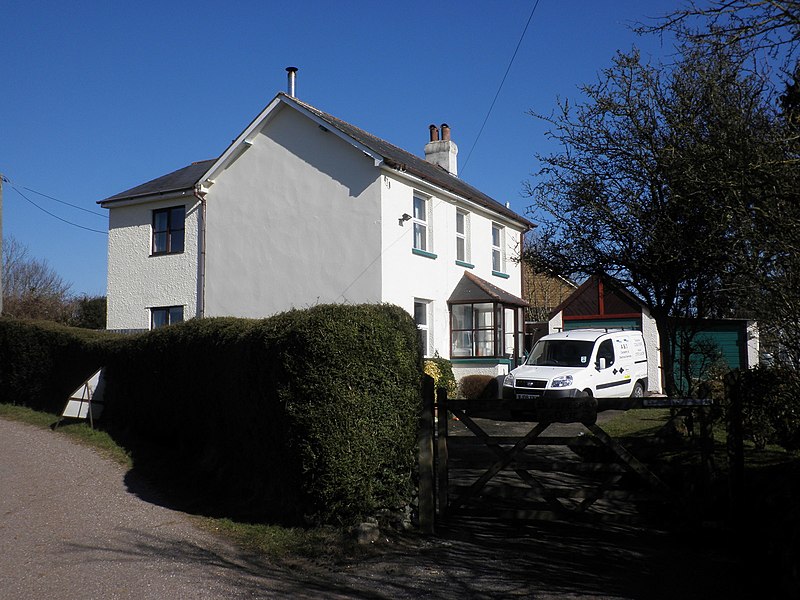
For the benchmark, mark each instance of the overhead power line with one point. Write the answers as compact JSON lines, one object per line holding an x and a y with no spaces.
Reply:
{"x":511,"y":62}
{"x":75,"y":206}
{"x":44,"y":210}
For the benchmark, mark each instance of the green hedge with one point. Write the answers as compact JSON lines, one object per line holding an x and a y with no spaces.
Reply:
{"x":770,"y":398}
{"x":42,"y":363}
{"x":306,"y":416}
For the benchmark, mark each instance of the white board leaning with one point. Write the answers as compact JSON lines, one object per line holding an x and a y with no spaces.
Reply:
{"x":87,"y":400}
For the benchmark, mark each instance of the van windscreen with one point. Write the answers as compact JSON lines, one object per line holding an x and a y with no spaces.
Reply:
{"x":560,"y":353}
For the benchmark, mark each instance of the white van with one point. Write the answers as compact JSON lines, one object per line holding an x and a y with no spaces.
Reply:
{"x":603,"y":363}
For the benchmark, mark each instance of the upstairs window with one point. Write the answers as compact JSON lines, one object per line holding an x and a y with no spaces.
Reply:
{"x":420,"y":220}
{"x":165,"y":315}
{"x":462,"y":237}
{"x":168,"y":230}
{"x":498,"y":261}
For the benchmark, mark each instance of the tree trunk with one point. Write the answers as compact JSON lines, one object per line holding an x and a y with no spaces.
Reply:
{"x":666,"y":333}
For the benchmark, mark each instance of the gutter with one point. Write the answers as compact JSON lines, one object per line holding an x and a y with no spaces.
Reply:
{"x":519,"y":221}
{"x":201,"y":260}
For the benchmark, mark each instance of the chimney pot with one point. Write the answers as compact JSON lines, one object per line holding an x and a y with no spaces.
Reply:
{"x":292,"y":76}
{"x":444,"y":152}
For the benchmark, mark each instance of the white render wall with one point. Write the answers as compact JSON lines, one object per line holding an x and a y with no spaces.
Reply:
{"x":293,"y":222}
{"x":138,"y":281}
{"x":406,"y":276}
{"x":652,"y":342}
{"x":753,"y":344}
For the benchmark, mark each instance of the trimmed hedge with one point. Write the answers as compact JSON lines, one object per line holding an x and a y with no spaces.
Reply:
{"x":307,"y":416}
{"x":42,"y":363}
{"x":478,"y":387}
{"x":770,"y":398}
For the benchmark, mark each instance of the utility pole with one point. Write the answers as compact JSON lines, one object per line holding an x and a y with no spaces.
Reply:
{"x":1,"y":243}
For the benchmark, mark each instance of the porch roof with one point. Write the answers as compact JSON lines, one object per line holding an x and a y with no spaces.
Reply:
{"x":472,"y":288}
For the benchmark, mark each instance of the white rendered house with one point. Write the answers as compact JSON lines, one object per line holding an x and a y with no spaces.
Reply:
{"x":302,"y":209}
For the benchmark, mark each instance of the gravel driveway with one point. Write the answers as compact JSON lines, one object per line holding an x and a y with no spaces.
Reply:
{"x":70,"y":529}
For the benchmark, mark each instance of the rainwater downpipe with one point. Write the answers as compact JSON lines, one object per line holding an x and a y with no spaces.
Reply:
{"x":201,"y":263}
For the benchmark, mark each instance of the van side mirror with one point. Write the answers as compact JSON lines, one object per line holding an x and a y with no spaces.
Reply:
{"x":601,"y":364}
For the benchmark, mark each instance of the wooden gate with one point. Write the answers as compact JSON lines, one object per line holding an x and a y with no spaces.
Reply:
{"x":471,"y":464}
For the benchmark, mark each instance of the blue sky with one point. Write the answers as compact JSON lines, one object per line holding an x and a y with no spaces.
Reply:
{"x":98,"y":97}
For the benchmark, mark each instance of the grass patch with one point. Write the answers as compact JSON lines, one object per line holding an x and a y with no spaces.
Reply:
{"x":282,"y":543}
{"x":637,"y":422}
{"x":78,"y":431}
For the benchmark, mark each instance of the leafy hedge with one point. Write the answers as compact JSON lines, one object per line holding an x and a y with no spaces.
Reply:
{"x":42,"y":363}
{"x":305,"y":416}
{"x":770,"y":399}
{"x":478,"y":387}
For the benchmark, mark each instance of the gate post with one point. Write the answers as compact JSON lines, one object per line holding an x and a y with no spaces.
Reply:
{"x":441,"y":450}
{"x":426,"y":498}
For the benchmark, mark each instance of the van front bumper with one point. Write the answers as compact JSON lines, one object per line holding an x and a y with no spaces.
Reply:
{"x":529,"y":394}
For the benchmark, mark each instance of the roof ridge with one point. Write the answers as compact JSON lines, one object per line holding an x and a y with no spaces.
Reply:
{"x":405,"y":159}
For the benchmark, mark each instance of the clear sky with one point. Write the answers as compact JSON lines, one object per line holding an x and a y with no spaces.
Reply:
{"x":98,"y":97}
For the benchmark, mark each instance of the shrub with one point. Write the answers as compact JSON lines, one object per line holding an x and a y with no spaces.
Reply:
{"x":770,"y":399}
{"x":307,"y":415}
{"x":441,"y":370}
{"x":478,"y":387}
{"x":43,"y":363}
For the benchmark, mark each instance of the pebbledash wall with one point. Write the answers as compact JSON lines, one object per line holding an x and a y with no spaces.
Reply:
{"x":139,"y":281}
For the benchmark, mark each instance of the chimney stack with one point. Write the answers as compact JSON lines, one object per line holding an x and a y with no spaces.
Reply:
{"x":292,"y":76}
{"x":442,"y":152}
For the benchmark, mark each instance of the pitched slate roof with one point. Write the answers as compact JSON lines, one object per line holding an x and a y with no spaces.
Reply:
{"x":472,"y":288}
{"x":182,"y":179}
{"x":394,"y":157}
{"x":402,"y":160}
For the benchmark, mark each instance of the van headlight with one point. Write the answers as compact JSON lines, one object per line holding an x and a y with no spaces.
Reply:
{"x":561,"y":381}
{"x":509,"y":380}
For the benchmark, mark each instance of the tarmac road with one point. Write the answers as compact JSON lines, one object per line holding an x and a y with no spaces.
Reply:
{"x":69,"y":529}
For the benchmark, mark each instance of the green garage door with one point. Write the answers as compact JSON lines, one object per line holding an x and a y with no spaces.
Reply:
{"x":603,"y":324}
{"x":717,"y":346}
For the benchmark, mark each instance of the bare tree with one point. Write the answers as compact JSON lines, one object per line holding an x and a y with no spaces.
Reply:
{"x":31,"y":288}
{"x":661,"y":173}
{"x":769,"y":25}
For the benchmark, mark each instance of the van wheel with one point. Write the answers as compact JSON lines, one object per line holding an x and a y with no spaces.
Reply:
{"x":638,"y":390}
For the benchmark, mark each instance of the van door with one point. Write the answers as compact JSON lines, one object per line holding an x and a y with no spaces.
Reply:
{"x":613,"y":380}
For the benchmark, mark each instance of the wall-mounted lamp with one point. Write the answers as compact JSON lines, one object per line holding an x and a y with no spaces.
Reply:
{"x":404,"y":218}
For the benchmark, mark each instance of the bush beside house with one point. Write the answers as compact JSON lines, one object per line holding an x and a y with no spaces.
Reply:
{"x":441,"y":370}
{"x":304,"y":416}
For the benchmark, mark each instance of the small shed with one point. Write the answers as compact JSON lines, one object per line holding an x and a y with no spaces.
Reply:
{"x":600,"y":303}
